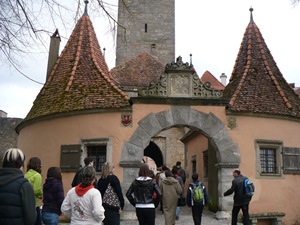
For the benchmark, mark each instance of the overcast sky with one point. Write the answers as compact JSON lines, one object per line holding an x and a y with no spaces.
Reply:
{"x":211,"y":31}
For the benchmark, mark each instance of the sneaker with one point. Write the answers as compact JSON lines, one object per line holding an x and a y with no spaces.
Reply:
{"x":177,"y":217}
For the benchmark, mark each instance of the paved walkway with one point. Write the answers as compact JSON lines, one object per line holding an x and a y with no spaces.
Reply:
{"x":208,"y":218}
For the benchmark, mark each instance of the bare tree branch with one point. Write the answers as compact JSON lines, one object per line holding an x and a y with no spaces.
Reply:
{"x":24,"y":24}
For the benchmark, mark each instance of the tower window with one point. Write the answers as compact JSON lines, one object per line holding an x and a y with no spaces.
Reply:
{"x":146,"y":27}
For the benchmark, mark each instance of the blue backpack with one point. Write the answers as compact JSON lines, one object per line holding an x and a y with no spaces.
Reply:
{"x":248,"y":188}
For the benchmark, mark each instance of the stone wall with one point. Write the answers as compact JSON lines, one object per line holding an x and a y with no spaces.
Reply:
{"x":146,"y":26}
{"x":172,"y":148}
{"x":8,"y":135}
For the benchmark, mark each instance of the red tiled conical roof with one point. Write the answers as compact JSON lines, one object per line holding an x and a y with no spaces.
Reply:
{"x":80,"y":78}
{"x":138,"y":71}
{"x":256,"y":84}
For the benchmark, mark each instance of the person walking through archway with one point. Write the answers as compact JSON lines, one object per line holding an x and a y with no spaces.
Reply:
{"x":170,"y":189}
{"x":197,"y":198}
{"x":240,"y":200}
{"x":143,"y":189}
{"x":181,"y":171}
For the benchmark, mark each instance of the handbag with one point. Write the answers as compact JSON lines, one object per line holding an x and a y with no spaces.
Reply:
{"x":181,"y":201}
{"x":110,"y":197}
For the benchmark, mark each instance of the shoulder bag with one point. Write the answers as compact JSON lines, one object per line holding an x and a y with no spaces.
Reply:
{"x":110,"y":197}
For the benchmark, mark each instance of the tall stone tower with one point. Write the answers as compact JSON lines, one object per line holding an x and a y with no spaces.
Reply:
{"x":146,"y":26}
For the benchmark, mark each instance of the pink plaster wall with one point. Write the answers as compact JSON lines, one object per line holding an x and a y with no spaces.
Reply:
{"x":196,"y":147}
{"x":273,"y":194}
{"x":43,"y":139}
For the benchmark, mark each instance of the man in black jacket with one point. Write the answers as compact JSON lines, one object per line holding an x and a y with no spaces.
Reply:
{"x":240,"y":200}
{"x":77,"y":178}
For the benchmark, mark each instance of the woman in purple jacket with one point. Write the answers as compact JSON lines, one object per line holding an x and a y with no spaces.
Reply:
{"x":53,"y":196}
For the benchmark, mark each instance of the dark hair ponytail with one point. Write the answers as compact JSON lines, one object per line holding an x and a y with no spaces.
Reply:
{"x":88,"y":175}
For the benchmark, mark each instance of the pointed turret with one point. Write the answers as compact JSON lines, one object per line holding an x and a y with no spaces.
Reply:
{"x":79,"y":79}
{"x":256,"y":84}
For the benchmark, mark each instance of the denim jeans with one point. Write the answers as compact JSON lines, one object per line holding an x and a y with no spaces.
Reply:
{"x":50,"y":218}
{"x":177,"y":211}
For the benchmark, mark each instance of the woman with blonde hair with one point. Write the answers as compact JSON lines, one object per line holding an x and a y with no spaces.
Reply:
{"x":110,"y":181}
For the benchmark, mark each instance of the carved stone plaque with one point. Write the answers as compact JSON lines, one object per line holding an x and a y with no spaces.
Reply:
{"x":179,"y":84}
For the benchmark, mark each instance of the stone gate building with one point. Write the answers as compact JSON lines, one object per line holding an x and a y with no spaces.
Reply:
{"x":147,"y":107}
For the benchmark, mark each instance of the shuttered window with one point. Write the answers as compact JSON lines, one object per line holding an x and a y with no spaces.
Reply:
{"x":70,"y":158}
{"x":291,"y":160}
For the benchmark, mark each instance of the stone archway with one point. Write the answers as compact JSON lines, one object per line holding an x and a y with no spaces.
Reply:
{"x":227,"y":152}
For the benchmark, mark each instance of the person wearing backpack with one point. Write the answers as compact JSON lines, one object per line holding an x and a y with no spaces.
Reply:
{"x":197,"y":198}
{"x":240,"y":200}
{"x":180,"y":171}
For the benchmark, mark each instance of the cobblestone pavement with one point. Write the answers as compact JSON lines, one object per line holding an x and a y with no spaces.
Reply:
{"x":208,"y":218}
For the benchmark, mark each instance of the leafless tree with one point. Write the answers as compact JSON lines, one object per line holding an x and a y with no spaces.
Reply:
{"x":24,"y":23}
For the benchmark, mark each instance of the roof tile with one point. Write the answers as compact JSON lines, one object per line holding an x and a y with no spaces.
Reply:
{"x":215,"y":84}
{"x":80,"y":78}
{"x":139,"y":71}
{"x":256,"y":84}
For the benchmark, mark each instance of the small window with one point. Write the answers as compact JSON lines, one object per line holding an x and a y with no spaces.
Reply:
{"x":100,"y":149}
{"x":268,"y":160}
{"x":269,"y":157}
{"x":146,"y":27}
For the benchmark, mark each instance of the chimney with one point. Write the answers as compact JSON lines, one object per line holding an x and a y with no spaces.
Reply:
{"x":223,"y":78}
{"x":53,"y":52}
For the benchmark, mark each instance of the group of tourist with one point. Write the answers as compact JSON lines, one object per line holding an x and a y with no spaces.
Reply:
{"x":92,"y":202}
{"x":20,"y":195}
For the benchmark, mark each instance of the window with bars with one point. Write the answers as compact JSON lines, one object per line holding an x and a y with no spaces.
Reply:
{"x":98,"y":153}
{"x":268,"y":160}
{"x":269,"y":157}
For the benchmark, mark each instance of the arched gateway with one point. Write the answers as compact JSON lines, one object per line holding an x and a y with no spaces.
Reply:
{"x":227,"y":152}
